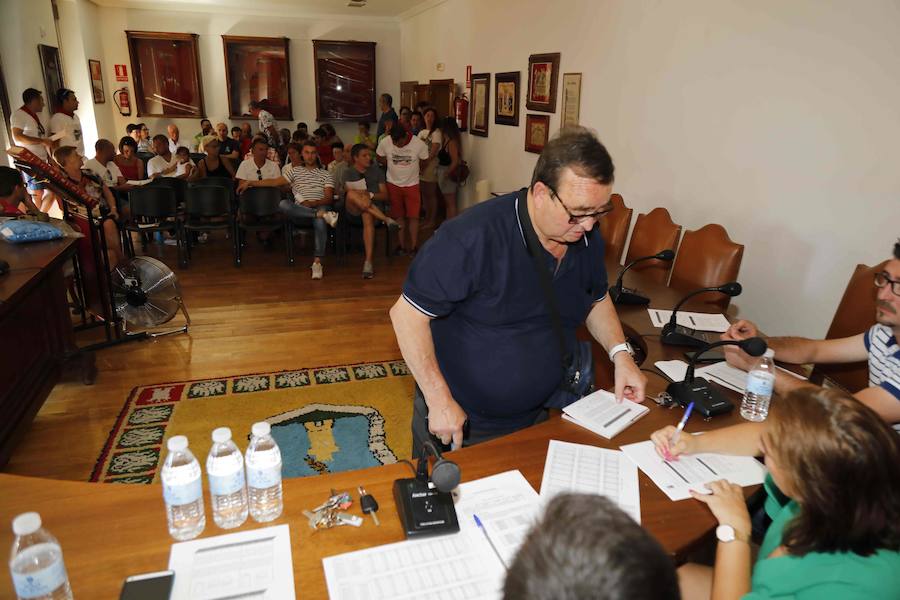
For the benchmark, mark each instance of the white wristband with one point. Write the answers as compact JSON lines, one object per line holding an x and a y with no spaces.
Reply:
{"x":623,"y":347}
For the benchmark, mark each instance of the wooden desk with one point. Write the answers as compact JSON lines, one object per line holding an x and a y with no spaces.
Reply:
{"x":110,"y":531}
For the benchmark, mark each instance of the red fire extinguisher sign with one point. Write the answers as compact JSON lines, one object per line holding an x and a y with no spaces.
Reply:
{"x":121,"y":73}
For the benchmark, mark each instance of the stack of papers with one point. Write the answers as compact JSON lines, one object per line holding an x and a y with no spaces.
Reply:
{"x":599,"y":412}
{"x":691,"y":320}
{"x":720,"y":372}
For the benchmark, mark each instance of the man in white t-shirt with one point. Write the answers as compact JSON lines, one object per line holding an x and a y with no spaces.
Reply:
{"x":65,"y":120}
{"x":103,"y":166}
{"x":258,"y":171}
{"x":29,"y":132}
{"x":165,"y":163}
{"x":403,"y":153}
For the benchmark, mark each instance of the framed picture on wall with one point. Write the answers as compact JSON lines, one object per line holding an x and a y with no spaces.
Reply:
{"x":166,"y":72}
{"x":345,"y":80}
{"x":543,"y":75}
{"x":51,"y":66}
{"x":481,"y":104}
{"x":258,"y":68}
{"x":537,"y":132}
{"x":96,"y":81}
{"x":506,"y":98}
{"x":571,"y":103}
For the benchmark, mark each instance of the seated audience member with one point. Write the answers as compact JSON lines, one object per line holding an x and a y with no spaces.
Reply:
{"x":323,"y":147}
{"x":131,"y":167}
{"x":165,"y":163}
{"x":337,"y":166}
{"x":833,"y":496}
{"x":133,"y":130}
{"x":206,"y":129}
{"x":449,"y":158}
{"x":28,"y":131}
{"x":271,"y":153}
{"x":402,"y":153}
{"x":331,"y":134}
{"x":585,"y":547}
{"x":64,"y":121}
{"x":71,"y":162}
{"x":388,"y":126}
{"x":14,"y":199}
{"x":299,"y":136}
{"x":285,"y":134}
{"x":879,"y":346}
{"x":258,"y":171}
{"x":229,"y":148}
{"x":301,"y":126}
{"x":369,"y":203}
{"x":184,"y":166}
{"x":364,"y":136}
{"x":103,"y":165}
{"x":213,"y":164}
{"x":237,"y":135}
{"x":415,"y":122}
{"x":174,"y":134}
{"x":145,"y":144}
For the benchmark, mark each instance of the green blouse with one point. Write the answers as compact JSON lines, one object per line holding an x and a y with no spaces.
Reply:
{"x":818,"y":575}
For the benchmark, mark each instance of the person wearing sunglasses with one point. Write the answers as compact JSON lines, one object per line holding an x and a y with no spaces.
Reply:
{"x":878,"y":345}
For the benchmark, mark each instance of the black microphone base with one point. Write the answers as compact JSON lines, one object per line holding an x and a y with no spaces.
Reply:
{"x":682,"y":336}
{"x":626,"y":296}
{"x":707,"y":400}
{"x":423,"y":510}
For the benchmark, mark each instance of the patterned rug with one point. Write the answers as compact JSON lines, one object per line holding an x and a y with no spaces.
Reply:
{"x":325,"y":419}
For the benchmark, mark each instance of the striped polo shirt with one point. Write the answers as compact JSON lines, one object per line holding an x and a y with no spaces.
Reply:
{"x":884,"y":359}
{"x":310,"y":184}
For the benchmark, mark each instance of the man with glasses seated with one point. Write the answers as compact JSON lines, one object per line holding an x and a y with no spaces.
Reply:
{"x":258,"y":171}
{"x":473,"y":323}
{"x":878,"y":345}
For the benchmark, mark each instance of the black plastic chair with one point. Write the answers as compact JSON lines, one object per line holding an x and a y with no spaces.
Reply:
{"x":197,"y":156}
{"x":178,"y":186}
{"x":259,"y":212}
{"x":153,"y":209}
{"x":208,"y":207}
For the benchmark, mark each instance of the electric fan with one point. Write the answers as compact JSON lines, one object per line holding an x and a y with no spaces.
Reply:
{"x":145,"y":294}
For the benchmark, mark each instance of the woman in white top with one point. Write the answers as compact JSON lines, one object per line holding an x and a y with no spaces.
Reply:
{"x":428,"y":181}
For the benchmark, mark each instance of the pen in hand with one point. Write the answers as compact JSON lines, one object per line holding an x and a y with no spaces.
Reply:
{"x":678,"y":430}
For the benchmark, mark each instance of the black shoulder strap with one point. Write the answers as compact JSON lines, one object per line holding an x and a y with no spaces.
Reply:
{"x":534,"y":249}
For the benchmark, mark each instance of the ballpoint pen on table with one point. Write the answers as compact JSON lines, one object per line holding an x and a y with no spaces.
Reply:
{"x":679,"y":429}
{"x":488,"y":538}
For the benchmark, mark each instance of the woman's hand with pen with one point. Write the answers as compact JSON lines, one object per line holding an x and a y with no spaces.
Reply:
{"x":662,"y":440}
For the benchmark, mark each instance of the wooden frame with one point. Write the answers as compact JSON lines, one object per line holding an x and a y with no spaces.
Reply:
{"x":161,"y":92}
{"x":51,"y":66}
{"x":537,"y":132}
{"x":481,"y":104}
{"x":243,"y":80}
{"x":571,"y":100}
{"x":4,"y":104}
{"x":333,"y":101}
{"x":96,"y":74}
{"x":543,"y":76}
{"x":506,"y":98}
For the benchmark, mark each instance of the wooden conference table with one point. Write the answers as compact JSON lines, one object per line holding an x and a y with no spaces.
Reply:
{"x":111,"y":531}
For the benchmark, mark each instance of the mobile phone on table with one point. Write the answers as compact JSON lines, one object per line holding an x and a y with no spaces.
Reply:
{"x":148,"y":586}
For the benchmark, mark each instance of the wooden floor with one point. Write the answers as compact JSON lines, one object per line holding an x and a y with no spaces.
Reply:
{"x":264,"y":316}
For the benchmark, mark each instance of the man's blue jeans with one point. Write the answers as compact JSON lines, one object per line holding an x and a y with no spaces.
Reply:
{"x":296,"y":211}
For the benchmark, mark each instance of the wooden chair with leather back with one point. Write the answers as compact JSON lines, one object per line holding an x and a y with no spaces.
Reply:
{"x":614,"y":227}
{"x":854,"y":315}
{"x":653,"y":233}
{"x":707,"y":257}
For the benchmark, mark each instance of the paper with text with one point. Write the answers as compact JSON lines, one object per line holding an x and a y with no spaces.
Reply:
{"x":720,"y":372}
{"x":692,"y":320}
{"x":599,"y":412}
{"x":359,"y":184}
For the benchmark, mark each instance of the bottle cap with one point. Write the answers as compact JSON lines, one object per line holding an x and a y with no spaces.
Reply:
{"x":221,"y":435}
{"x":260,"y":429}
{"x":177,"y":443}
{"x":769,"y":353}
{"x":26,"y":523}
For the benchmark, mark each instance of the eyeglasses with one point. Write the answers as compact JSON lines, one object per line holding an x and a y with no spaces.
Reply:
{"x":576,"y":219}
{"x":882,"y":279}
{"x":259,"y":174}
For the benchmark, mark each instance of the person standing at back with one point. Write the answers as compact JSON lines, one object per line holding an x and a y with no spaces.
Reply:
{"x":64,"y":120}
{"x":431,"y":135}
{"x":402,"y":153}
{"x":29,"y":132}
{"x":386,"y":103}
{"x":449,"y":158}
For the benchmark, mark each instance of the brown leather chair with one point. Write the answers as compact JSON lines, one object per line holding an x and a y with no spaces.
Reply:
{"x":707,"y":257}
{"x":653,"y":233}
{"x":854,"y":315}
{"x":614,"y":227}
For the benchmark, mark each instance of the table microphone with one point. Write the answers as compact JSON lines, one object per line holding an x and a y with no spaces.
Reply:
{"x":708,"y":400}
{"x":678,"y":335}
{"x":424,"y":503}
{"x":623,"y":295}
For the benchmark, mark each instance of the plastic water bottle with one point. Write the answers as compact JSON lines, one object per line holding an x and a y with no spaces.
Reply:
{"x":183,"y":490}
{"x":264,"y":474}
{"x":227,"y":489}
{"x":36,"y":563}
{"x":760,"y":382}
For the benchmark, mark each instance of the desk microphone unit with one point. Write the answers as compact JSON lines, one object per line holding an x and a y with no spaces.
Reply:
{"x":623,"y":295}
{"x":424,"y":503}
{"x":679,"y":335}
{"x":708,"y":400}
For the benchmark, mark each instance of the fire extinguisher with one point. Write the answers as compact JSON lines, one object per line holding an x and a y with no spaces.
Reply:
{"x":461,"y":109}
{"x":123,"y":101}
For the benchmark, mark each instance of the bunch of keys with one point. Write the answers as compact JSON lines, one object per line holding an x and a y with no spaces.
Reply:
{"x":329,"y":514}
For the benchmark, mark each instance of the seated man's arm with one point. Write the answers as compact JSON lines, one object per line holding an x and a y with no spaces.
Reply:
{"x":604,"y":325}
{"x":243,"y":184}
{"x":882,"y":401}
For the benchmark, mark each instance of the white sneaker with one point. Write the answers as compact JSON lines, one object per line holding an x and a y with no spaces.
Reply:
{"x":368,"y":271}
{"x":170,"y":242}
{"x":392,"y":224}
{"x":317,"y":270}
{"x":331,"y":218}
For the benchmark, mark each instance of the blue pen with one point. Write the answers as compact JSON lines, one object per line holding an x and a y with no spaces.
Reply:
{"x":488,"y":538}
{"x":681,"y":424}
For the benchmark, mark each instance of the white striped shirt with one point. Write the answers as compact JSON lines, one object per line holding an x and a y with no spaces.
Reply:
{"x":884,"y":359}
{"x":309,"y":184}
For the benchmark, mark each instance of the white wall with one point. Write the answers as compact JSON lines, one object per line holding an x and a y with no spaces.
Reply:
{"x":778,"y":120}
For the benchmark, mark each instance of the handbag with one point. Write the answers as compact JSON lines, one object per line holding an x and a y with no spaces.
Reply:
{"x":443,"y":156}
{"x":460,"y":174}
{"x":578,"y":365}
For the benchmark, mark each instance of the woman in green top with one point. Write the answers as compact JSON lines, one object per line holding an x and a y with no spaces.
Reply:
{"x":833,"y":496}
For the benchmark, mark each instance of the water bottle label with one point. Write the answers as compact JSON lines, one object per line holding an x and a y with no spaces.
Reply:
{"x":43,"y":582}
{"x":264,"y":477}
{"x":229,"y":483}
{"x":185,"y":493}
{"x":760,"y":384}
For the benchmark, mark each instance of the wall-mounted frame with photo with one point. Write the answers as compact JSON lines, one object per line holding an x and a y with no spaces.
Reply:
{"x":506,"y":98}
{"x":543,"y":75}
{"x":537,"y":132}
{"x":571,"y":100}
{"x":165,"y":68}
{"x":345,"y":80}
{"x":96,"y":81}
{"x":51,"y":66}
{"x":258,"y":68}
{"x":481,"y":104}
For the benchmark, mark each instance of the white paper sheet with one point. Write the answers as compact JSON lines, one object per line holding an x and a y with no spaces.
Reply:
{"x":599,"y":412}
{"x":359,"y":184}
{"x":693,"y":320}
{"x":591,"y":470}
{"x":138,"y":182}
{"x":250,"y":564}
{"x":690,"y":472}
{"x":720,"y":372}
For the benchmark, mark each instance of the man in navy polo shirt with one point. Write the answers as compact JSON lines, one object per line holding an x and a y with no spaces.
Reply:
{"x":472,"y":323}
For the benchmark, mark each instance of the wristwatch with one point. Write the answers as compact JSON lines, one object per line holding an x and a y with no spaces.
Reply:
{"x":623,"y":347}
{"x":727,"y":533}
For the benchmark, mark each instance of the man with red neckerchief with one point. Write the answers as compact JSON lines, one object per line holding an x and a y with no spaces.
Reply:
{"x":65,"y":120}
{"x":29,"y":132}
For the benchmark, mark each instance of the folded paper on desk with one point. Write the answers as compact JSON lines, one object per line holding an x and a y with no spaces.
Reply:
{"x":691,"y":320}
{"x":676,"y":478}
{"x":720,"y":372}
{"x":250,"y":564}
{"x":599,"y":412}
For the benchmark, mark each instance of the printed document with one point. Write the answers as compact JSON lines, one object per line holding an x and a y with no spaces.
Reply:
{"x":691,"y":320}
{"x":599,"y":412}
{"x":720,"y":372}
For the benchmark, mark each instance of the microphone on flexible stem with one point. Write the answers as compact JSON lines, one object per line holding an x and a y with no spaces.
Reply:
{"x":623,"y":295}
{"x":708,"y":400}
{"x":678,"y":335}
{"x":424,"y":502}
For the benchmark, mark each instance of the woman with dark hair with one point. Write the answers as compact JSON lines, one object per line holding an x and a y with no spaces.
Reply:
{"x":833,"y":496}
{"x":127,"y":160}
{"x":449,"y":158}
{"x":428,"y":181}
